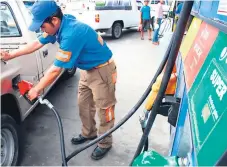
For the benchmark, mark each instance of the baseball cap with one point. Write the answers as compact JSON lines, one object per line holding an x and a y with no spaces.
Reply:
{"x":41,"y":10}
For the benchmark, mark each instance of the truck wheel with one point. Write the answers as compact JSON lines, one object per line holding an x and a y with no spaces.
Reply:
{"x":9,"y":141}
{"x":116,"y":30}
{"x":69,"y":73}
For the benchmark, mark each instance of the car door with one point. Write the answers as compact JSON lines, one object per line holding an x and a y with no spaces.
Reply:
{"x":135,"y":13}
{"x":14,"y":35}
{"x":129,"y":12}
{"x":47,"y":53}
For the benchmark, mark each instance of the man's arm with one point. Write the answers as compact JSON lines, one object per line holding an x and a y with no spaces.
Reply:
{"x":141,"y":17}
{"x":141,"y":14}
{"x":51,"y":75}
{"x":48,"y":78}
{"x":27,"y":49}
{"x":64,"y":59}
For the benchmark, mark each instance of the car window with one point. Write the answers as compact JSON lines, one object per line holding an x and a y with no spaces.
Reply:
{"x":9,"y":27}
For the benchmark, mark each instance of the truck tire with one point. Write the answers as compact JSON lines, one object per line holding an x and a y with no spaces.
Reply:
{"x":9,"y":141}
{"x":69,"y":73}
{"x":116,"y":30}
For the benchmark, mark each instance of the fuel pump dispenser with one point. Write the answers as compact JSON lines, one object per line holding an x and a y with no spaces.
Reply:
{"x":199,"y":137}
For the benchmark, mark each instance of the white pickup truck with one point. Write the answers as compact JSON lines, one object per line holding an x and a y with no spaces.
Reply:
{"x":15,"y":19}
{"x":109,"y":16}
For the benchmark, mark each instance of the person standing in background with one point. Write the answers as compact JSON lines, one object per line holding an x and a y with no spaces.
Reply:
{"x":158,"y":19}
{"x":145,"y":20}
{"x":177,"y":13}
{"x":179,"y":9}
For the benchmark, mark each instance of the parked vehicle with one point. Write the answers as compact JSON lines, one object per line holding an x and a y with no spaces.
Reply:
{"x":15,"y":19}
{"x":109,"y":16}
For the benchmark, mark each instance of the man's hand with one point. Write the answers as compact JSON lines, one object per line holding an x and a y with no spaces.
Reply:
{"x":48,"y":79}
{"x":27,"y":49}
{"x":5,"y":55}
{"x":33,"y":93}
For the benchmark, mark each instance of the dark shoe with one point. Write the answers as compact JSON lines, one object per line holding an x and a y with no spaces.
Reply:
{"x":99,"y":153}
{"x":81,"y":139}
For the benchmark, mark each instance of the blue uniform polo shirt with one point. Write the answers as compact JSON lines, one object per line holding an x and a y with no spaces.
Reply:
{"x":146,"y":12}
{"x":80,"y":45}
{"x":179,"y":8}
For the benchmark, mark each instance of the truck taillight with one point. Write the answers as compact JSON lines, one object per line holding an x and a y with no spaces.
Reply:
{"x":97,"y":18}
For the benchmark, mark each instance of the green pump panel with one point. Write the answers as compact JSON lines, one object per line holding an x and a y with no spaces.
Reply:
{"x":204,"y":66}
{"x":208,"y":104}
{"x":152,"y":158}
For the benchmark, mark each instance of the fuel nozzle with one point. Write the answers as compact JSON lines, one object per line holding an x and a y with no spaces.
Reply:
{"x":143,"y":118}
{"x":24,"y":87}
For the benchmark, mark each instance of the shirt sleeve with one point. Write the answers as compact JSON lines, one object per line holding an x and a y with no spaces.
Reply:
{"x":70,"y":49}
{"x":178,"y":10}
{"x":141,"y":10}
{"x":45,"y":39}
{"x":158,"y":10}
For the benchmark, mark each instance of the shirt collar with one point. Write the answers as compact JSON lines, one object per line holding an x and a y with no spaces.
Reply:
{"x":61,"y":26}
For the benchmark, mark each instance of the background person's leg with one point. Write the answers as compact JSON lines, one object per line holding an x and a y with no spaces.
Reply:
{"x":155,"y":37}
{"x":143,"y":29}
{"x":149,"y":34}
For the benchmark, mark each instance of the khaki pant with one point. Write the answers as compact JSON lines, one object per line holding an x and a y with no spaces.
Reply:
{"x":97,"y":91}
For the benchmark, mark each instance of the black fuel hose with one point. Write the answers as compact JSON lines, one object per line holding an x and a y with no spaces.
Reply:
{"x":178,"y":35}
{"x":130,"y":113}
{"x":145,"y":148}
{"x":60,"y":127}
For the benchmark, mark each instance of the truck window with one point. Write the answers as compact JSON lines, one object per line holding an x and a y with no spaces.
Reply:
{"x":157,"y":1}
{"x":115,"y":5}
{"x":121,"y":2}
{"x":127,"y":4}
{"x":110,"y":3}
{"x":9,"y":26}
